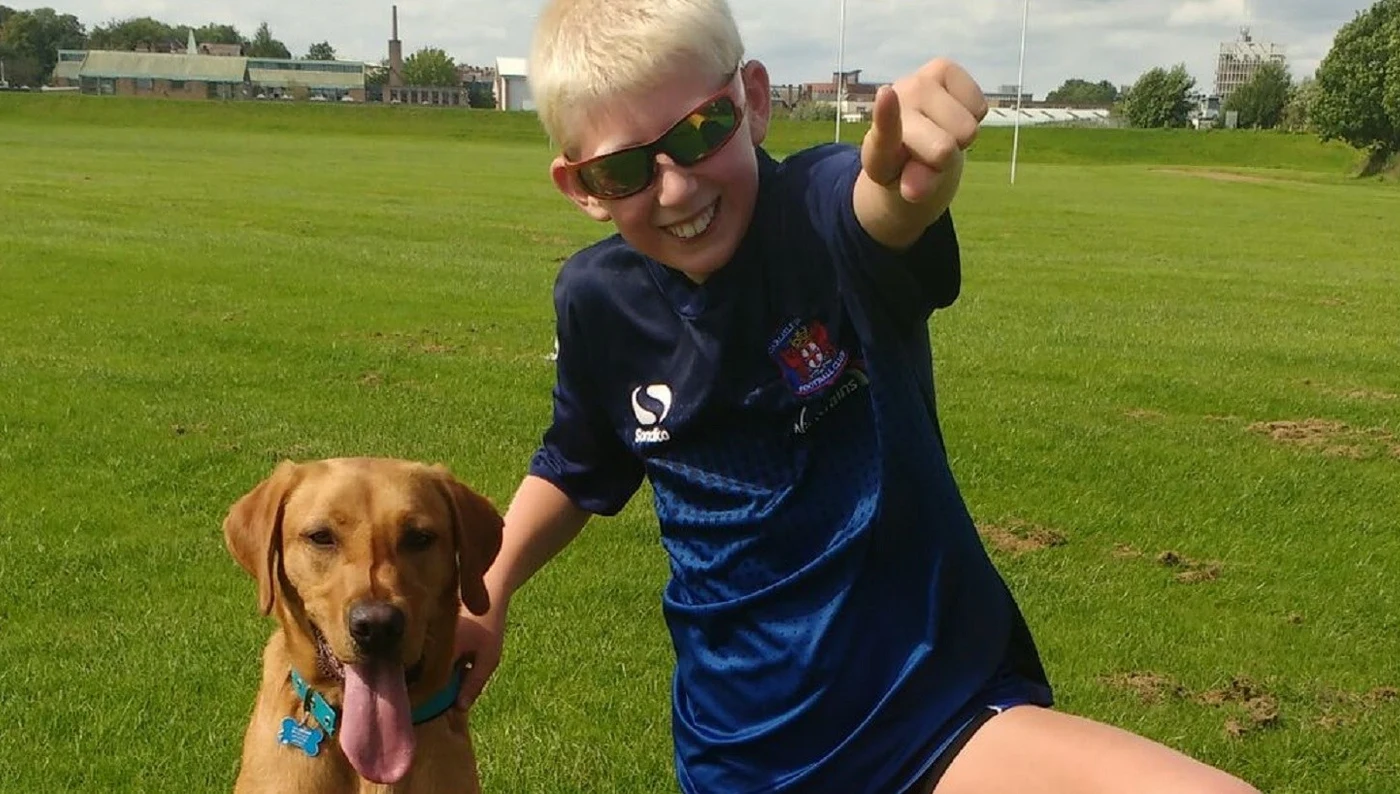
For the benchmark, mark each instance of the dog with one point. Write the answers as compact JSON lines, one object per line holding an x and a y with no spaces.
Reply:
{"x":363,"y":562}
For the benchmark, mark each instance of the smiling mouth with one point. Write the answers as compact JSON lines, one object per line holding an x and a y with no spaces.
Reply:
{"x":696,"y":226}
{"x":328,"y":665}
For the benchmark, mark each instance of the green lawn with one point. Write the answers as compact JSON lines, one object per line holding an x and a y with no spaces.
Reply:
{"x":191,"y":292}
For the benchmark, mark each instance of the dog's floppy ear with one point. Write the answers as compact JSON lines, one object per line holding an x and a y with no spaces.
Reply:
{"x":477,"y":526}
{"x":253,"y":529}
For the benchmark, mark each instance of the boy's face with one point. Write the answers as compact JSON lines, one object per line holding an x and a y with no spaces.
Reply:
{"x":691,"y":219}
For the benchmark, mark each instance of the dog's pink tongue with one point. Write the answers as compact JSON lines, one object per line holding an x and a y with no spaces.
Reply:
{"x":376,"y":730}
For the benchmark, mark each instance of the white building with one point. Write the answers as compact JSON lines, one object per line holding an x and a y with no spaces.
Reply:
{"x":1239,"y":61}
{"x":512,"y":87}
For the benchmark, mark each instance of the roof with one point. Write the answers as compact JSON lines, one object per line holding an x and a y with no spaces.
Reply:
{"x":512,"y":67}
{"x":163,"y":66}
{"x":282,"y":78}
{"x":1006,"y":117}
{"x":70,"y":63}
{"x":287,"y":72}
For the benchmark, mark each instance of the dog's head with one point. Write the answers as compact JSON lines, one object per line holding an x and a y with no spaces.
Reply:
{"x":368,"y":552}
{"x":364,"y":561}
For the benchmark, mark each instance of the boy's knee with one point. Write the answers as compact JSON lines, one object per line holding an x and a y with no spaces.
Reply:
{"x":1221,"y":783}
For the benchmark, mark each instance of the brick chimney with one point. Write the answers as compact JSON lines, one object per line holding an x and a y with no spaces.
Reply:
{"x":395,"y":54}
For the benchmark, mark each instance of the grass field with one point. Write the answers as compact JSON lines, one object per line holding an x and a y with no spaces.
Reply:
{"x":1170,"y":392}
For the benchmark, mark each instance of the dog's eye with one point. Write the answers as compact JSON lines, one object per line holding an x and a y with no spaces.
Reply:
{"x":322,"y":537}
{"x":416,"y":540}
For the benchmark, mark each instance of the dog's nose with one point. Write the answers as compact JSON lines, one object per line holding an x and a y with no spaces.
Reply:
{"x":376,"y":627}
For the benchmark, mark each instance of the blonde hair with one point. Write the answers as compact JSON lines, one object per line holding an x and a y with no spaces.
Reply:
{"x":587,"y":51}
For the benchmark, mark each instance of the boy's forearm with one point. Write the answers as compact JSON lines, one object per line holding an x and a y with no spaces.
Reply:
{"x":895,"y":223}
{"x":539,"y":523}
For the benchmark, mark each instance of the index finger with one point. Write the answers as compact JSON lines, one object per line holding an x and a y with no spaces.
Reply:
{"x":882,"y":154}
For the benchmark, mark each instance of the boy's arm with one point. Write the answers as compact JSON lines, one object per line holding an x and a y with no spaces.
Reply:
{"x":912,"y":157}
{"x":539,"y":523}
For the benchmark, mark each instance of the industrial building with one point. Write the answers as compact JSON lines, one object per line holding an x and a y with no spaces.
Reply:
{"x":200,"y":76}
{"x":1239,"y":60}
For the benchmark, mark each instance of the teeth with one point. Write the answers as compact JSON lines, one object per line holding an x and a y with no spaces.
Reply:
{"x":690,"y":229}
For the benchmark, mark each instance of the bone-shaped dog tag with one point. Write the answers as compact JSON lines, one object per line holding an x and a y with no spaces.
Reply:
{"x":308,"y":740}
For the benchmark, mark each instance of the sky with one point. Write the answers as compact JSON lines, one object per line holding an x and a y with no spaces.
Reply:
{"x":800,"y":40}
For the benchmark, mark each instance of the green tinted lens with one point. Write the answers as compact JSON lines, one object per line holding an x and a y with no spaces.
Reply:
{"x":618,"y":174}
{"x":698,"y":135}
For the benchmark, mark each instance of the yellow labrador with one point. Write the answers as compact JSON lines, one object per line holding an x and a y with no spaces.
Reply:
{"x":363,"y":562}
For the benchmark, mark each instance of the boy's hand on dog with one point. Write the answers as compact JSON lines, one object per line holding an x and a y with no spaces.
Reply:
{"x":920,"y":126}
{"x":478,"y":647}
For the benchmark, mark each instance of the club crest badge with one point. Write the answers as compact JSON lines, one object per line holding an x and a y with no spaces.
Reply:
{"x":809,"y":361}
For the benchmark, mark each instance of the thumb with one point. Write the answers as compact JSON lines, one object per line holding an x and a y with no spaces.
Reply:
{"x":882,"y":153}
{"x":479,"y":668}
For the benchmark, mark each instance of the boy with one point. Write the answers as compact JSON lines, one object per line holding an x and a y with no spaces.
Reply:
{"x":754,"y":341}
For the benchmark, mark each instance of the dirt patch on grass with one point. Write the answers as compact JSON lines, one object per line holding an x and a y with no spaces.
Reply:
{"x":1222,"y":176}
{"x":1343,"y":709}
{"x":1189,"y":571}
{"x":1017,"y":537}
{"x":1252,"y":708}
{"x":1331,"y":438}
{"x":1146,"y":686}
{"x":1359,"y":395}
{"x":1123,"y":551}
{"x":1248,"y":706}
{"x":1145,"y":413}
{"x":426,"y":342}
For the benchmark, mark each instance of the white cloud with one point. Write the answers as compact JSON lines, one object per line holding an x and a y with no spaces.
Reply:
{"x":1208,"y":12}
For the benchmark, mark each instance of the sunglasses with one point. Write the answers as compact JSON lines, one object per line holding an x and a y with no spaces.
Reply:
{"x":626,"y":172}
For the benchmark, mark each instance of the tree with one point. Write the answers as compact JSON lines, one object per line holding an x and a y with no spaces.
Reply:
{"x":481,"y":95}
{"x":1297,"y":114}
{"x":131,"y":33}
{"x":34,"y":38}
{"x":1160,"y":98}
{"x":20,"y":69}
{"x":1260,"y":102}
{"x":218,"y":34}
{"x":321,"y":51}
{"x":430,"y":66}
{"x":128,"y":34}
{"x":1358,"y":85}
{"x":264,"y":46}
{"x":377,"y":76}
{"x":1082,"y":92}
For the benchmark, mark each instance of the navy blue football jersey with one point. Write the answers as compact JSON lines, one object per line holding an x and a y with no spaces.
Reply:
{"x":833,"y":612}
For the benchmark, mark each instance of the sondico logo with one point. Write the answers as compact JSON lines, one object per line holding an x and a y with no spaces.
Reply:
{"x":651,"y":405}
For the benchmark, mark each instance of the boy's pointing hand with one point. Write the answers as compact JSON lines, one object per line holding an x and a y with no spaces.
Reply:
{"x":919,"y":126}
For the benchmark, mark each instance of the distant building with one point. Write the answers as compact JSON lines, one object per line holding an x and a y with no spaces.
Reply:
{"x":1042,"y":116}
{"x":222,"y":50}
{"x":513,"y":85}
{"x":1007,"y":96}
{"x":200,"y":76}
{"x":65,"y":70}
{"x":789,"y":95}
{"x":157,"y":74}
{"x":397,"y":92}
{"x":276,"y":78}
{"x":1239,"y":60}
{"x":853,"y":99}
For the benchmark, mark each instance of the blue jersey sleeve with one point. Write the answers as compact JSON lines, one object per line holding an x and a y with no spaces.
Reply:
{"x":911,"y":283}
{"x":581,"y":454}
